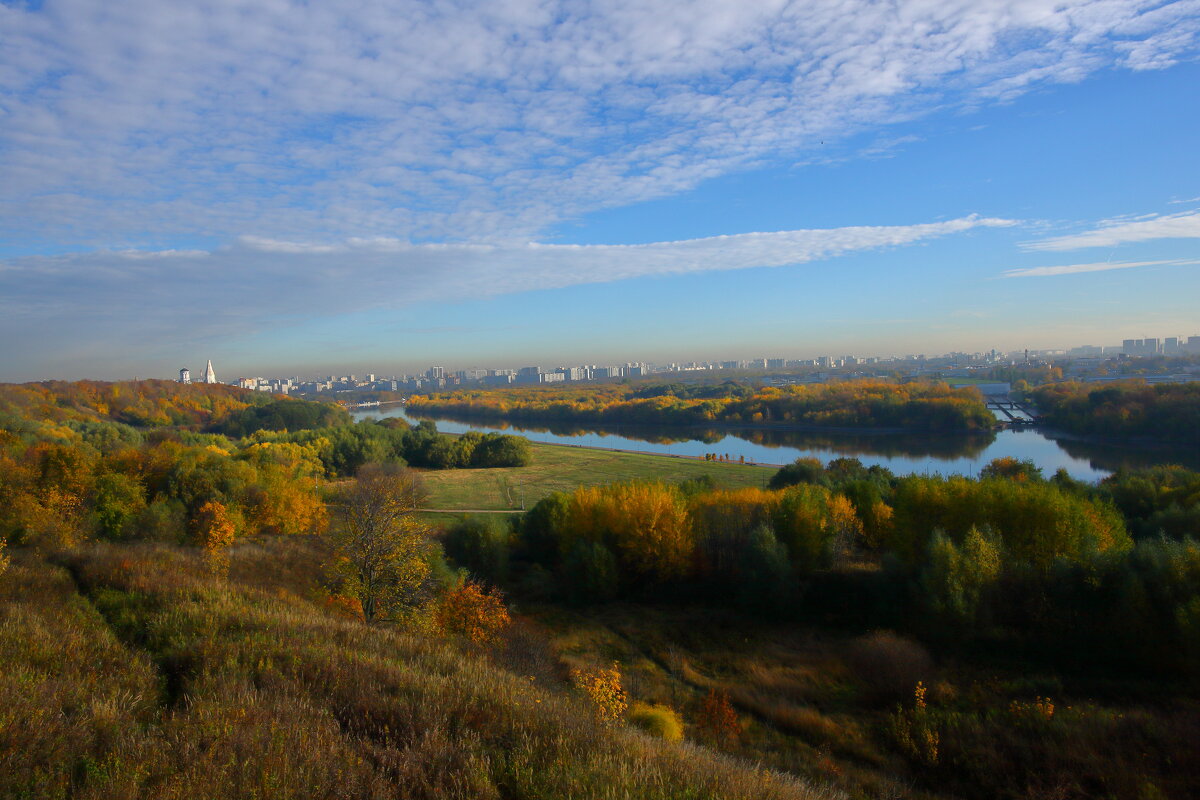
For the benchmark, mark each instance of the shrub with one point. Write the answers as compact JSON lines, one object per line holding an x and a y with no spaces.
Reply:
{"x":213,"y":531}
{"x":657,"y":720}
{"x":914,"y":730}
{"x":473,"y":612}
{"x":481,"y":546}
{"x":602,"y":686}
{"x":1013,"y":469}
{"x":589,"y":574}
{"x":802,"y":470}
{"x":887,"y":665}
{"x":955,"y":579}
{"x":543,"y":527}
{"x":765,"y":575}
{"x":717,"y":720}
{"x":501,"y":450}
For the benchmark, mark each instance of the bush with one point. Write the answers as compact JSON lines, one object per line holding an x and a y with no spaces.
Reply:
{"x":765,"y":576}
{"x":955,"y":579}
{"x":802,"y":470}
{"x":501,"y":450}
{"x":473,"y":612}
{"x":657,"y":720}
{"x":888,"y":666}
{"x":589,"y":574}
{"x":543,"y":527}
{"x":481,"y":546}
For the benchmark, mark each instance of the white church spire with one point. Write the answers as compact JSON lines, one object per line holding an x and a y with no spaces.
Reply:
{"x":209,"y":375}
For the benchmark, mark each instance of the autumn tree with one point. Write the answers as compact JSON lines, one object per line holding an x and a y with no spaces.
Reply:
{"x":473,"y":612}
{"x":380,"y":547}
{"x":718,"y":720}
{"x":213,"y":531}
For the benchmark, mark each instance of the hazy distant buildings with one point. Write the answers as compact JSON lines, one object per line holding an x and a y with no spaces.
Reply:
{"x":185,"y":376}
{"x":1141,"y":347}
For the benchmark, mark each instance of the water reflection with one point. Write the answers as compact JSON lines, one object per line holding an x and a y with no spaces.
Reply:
{"x":902,"y":453}
{"x":1111,"y":456}
{"x":849,"y":443}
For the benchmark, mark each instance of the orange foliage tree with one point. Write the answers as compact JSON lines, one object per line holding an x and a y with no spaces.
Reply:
{"x":473,"y":612}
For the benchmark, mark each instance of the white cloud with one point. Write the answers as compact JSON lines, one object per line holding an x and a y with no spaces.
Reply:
{"x":135,"y":122}
{"x":1184,"y":225}
{"x":1072,"y":269}
{"x":117,"y":300}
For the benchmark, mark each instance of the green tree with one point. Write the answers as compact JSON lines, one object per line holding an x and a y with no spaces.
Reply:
{"x":117,"y":500}
{"x":955,"y":579}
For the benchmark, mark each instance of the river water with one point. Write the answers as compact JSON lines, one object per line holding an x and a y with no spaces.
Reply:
{"x":903,"y":453}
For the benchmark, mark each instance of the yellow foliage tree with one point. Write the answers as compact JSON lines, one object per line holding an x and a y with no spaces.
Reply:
{"x":645,"y":525}
{"x":602,"y":686}
{"x":380,"y":547}
{"x":213,"y":531}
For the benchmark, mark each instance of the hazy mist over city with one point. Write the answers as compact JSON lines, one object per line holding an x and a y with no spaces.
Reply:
{"x":304,"y":188}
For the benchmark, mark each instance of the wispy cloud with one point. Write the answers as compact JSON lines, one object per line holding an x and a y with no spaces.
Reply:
{"x":1072,"y":269}
{"x":115,"y":300}
{"x":127,"y":124}
{"x":1185,"y":225}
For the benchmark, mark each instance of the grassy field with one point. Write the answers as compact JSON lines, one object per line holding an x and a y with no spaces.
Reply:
{"x":562,"y":469}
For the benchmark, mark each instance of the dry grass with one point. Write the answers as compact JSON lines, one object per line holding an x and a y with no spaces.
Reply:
{"x":818,"y":705}
{"x":166,"y":682}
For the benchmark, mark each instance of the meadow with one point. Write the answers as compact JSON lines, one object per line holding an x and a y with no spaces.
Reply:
{"x":555,"y":468}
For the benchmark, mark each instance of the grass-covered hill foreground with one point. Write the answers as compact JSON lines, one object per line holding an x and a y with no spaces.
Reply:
{"x":131,"y":671}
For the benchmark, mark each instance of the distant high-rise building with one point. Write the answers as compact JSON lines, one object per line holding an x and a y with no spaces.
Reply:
{"x":434,"y":373}
{"x":185,"y":376}
{"x":209,"y":375}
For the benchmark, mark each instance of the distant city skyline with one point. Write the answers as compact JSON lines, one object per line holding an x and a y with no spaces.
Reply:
{"x":311,"y":188}
{"x":1169,"y":346}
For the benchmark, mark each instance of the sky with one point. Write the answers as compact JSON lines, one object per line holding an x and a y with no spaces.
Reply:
{"x":377,"y":186}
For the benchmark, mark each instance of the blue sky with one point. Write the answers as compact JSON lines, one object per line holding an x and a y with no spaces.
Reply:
{"x":377,"y":186}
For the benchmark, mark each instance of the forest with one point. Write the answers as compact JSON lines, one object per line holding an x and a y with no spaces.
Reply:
{"x":87,"y":460}
{"x":1123,"y":408}
{"x":848,"y":404}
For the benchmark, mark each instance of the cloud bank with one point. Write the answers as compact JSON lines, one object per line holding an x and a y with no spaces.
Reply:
{"x":1185,"y":225}
{"x":122,"y":299}
{"x":141,"y":122}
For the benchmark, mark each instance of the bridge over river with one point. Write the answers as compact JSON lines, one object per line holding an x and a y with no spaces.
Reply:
{"x":1012,"y":411}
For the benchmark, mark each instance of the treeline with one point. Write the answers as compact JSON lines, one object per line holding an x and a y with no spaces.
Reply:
{"x":866,"y":403}
{"x":1125,"y":408}
{"x":61,"y":492}
{"x":1007,"y":559}
{"x":70,"y":472}
{"x":342,"y":450}
{"x":141,"y":404}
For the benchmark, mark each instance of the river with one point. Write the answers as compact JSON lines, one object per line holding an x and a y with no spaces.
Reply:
{"x":903,"y":453}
